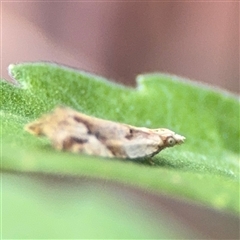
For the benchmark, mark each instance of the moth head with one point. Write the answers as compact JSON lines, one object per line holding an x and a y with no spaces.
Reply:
{"x":169,"y":137}
{"x":174,"y":139}
{"x":171,"y":141}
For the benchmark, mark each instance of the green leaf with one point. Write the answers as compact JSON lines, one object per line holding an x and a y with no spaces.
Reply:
{"x":205,"y":169}
{"x":43,"y":207}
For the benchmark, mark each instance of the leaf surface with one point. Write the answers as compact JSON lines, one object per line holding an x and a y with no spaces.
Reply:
{"x":205,"y":169}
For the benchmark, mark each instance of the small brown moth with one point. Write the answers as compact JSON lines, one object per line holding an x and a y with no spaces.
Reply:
{"x":77,"y":132}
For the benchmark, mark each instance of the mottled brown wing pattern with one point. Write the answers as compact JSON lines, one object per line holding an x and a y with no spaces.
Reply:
{"x":72,"y":131}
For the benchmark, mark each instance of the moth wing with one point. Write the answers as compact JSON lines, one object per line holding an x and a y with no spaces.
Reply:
{"x":90,"y":145}
{"x":139,"y":148}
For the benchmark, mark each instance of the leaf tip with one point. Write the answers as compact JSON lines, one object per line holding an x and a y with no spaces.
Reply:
{"x":10,"y":68}
{"x":11,"y":71}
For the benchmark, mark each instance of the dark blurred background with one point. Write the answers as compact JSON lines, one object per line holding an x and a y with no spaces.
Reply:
{"x":197,"y":40}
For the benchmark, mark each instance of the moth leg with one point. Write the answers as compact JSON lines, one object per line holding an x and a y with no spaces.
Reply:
{"x":150,"y":161}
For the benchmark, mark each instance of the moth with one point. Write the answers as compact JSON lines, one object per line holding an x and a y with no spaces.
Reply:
{"x":72,"y":131}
